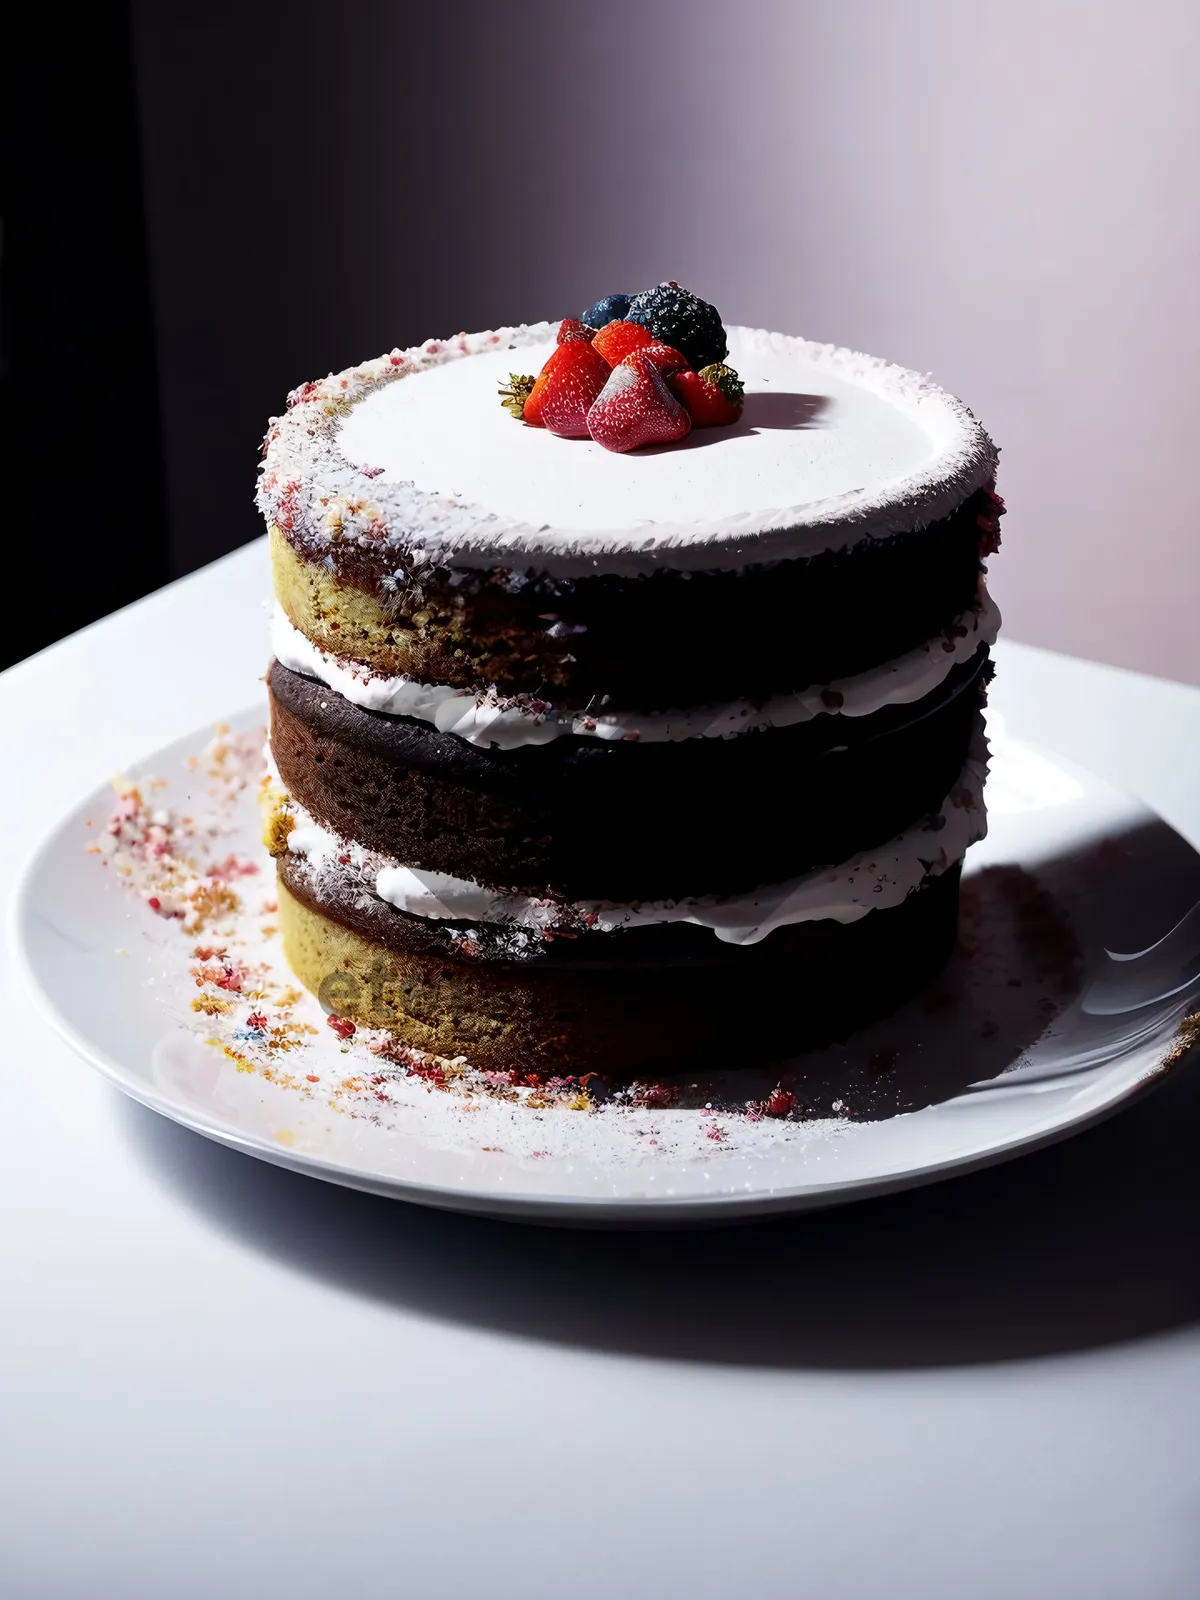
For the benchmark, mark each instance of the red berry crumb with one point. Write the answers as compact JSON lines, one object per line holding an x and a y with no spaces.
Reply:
{"x":342,"y":1026}
{"x":779,"y":1102}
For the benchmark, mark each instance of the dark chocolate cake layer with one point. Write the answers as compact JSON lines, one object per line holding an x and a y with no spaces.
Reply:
{"x":798,"y":989}
{"x":587,"y":817}
{"x":668,"y":639}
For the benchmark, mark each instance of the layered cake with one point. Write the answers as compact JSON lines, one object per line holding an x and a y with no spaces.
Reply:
{"x":625,"y":707}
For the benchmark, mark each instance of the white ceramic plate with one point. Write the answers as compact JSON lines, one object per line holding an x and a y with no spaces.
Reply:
{"x":1079,"y":962}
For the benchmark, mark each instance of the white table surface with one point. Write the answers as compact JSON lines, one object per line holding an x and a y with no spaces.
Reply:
{"x":219,"y":1379}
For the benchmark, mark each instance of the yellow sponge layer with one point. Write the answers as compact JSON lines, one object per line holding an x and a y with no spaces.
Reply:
{"x":423,"y":1002}
{"x":421,"y":632}
{"x":338,"y":618}
{"x":497,"y":1018}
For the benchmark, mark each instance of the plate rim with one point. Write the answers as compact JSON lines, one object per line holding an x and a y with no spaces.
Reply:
{"x":515,"y":1206}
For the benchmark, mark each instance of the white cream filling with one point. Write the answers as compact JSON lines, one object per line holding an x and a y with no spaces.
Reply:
{"x":871,"y":881}
{"x":506,"y":724}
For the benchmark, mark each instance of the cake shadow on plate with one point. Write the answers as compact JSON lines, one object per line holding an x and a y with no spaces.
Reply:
{"x":1021,"y":978}
{"x":1014,"y":970}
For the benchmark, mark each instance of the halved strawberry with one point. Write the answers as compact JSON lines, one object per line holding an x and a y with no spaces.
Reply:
{"x":571,"y":329}
{"x":712,"y":397}
{"x":636,"y":408}
{"x":617,"y":339}
{"x":565,"y":388}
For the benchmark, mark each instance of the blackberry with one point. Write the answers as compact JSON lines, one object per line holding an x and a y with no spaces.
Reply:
{"x":611,"y":309}
{"x":681,"y":319}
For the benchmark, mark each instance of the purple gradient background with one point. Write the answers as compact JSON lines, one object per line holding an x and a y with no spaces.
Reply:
{"x":1004,"y":194}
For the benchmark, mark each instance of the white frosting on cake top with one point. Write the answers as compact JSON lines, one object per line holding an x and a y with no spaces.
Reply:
{"x":414,"y":453}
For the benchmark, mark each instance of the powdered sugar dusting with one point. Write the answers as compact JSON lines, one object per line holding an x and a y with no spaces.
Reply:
{"x":320,"y":478}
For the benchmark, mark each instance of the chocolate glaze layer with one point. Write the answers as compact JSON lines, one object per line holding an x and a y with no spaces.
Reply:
{"x":671,"y":638}
{"x":589,"y":818}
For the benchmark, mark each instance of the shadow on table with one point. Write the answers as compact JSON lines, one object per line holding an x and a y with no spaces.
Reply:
{"x":1084,"y":1244}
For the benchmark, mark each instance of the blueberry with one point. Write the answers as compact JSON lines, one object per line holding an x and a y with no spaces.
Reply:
{"x":611,"y":309}
{"x":681,"y":319}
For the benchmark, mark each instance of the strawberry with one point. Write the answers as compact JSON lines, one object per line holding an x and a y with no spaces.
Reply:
{"x":712,"y":397}
{"x":570,"y":329}
{"x":615,"y":340}
{"x":636,"y":408}
{"x":531,"y":403}
{"x":566,"y":386}
{"x":664,"y":359}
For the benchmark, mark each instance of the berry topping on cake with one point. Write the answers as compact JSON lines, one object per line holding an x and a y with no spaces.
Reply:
{"x":636,"y":408}
{"x":569,"y":330}
{"x":514,"y":395}
{"x":616,"y":339}
{"x":677,"y":317}
{"x":664,"y":359}
{"x":668,"y":336}
{"x":713,"y":398}
{"x":565,"y":389}
{"x":611,"y":309}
